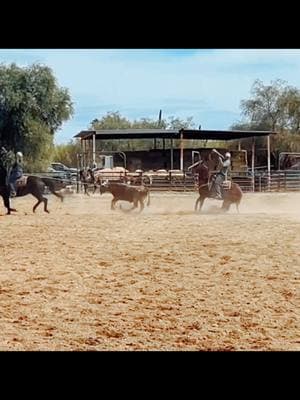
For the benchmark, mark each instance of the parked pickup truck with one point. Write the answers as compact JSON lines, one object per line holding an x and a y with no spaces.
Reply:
{"x":61,"y":171}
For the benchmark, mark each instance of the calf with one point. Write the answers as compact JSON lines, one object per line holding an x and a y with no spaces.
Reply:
{"x":122,"y":191}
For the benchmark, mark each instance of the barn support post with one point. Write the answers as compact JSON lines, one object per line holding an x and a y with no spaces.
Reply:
{"x":269,"y":162}
{"x":94,"y":150}
{"x":89,"y":151}
{"x":84,"y":153}
{"x":181,"y":151}
{"x":79,"y":157}
{"x":252,"y":163}
{"x":239,"y":146}
{"x":172,"y":155}
{"x":81,"y":147}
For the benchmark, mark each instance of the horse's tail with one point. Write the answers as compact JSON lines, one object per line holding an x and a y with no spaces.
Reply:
{"x":51,"y":186}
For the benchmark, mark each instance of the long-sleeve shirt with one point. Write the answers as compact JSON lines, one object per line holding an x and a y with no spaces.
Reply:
{"x":225,"y":166}
{"x":16,"y":172}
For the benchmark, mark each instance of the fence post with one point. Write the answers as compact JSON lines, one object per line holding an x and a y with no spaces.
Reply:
{"x":285,"y":181}
{"x":259,"y":183}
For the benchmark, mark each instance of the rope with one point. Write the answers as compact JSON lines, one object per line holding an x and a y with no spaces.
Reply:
{"x":50,"y":177}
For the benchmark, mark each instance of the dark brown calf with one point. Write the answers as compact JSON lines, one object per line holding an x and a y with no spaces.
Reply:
{"x":122,"y":191}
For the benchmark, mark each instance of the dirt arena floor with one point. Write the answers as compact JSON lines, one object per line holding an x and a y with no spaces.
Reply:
{"x":87,"y":278}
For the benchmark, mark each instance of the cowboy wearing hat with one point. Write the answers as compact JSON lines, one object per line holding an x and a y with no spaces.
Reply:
{"x":221,"y":176}
{"x":15,"y":174}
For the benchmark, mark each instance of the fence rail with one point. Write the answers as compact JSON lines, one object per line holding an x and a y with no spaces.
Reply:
{"x":278,"y":181}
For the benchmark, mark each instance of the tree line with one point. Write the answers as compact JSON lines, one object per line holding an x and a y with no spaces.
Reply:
{"x":33,"y":108}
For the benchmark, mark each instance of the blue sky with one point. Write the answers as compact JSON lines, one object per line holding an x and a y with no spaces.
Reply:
{"x":207,"y":84}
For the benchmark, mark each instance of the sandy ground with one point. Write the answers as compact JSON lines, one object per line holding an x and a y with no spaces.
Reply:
{"x":87,"y":278}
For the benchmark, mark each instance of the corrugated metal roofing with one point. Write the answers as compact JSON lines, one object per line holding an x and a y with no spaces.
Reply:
{"x":169,"y":134}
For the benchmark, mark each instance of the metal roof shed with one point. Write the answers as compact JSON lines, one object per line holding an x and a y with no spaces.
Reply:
{"x":182,"y":134}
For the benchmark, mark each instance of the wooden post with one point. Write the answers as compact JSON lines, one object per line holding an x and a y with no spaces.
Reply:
{"x":269,"y":162}
{"x":181,"y":151}
{"x":84,"y":154}
{"x":79,"y":166}
{"x":82,"y":151}
{"x":252,"y":163}
{"x":94,"y":150}
{"x":171,"y":152}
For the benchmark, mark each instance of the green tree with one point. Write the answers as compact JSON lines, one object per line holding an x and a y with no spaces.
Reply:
{"x":114,"y":120}
{"x":273,"y":107}
{"x":32,"y":108}
{"x":67,"y":153}
{"x":266,"y":105}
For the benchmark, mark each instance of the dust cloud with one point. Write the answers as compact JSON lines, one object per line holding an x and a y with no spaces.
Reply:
{"x":87,"y":278}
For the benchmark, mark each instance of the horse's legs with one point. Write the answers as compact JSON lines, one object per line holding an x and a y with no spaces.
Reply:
{"x":7,"y":205}
{"x":6,"y":201}
{"x":35,"y":206}
{"x":226,"y":205}
{"x":141,"y":205}
{"x":201,"y":201}
{"x":113,"y":203}
{"x":45,"y":205}
{"x":40,"y":200}
{"x":59,"y":195}
{"x":196,"y":204}
{"x":237,"y":206}
{"x":84,"y":185}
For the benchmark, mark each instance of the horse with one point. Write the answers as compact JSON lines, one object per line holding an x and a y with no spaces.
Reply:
{"x":4,"y":189}
{"x":231,"y":195}
{"x":87,"y":178}
{"x":96,"y":178}
{"x":34,"y":185}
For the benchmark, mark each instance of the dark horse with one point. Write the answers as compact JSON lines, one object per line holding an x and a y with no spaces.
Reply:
{"x":233,"y":195}
{"x":34,"y":185}
{"x":87,"y":178}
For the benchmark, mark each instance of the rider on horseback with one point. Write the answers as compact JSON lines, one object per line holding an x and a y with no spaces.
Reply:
{"x":15,"y":174}
{"x":221,"y":176}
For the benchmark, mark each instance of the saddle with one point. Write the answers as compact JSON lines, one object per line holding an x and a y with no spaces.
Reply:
{"x":226,"y":185}
{"x":21,"y":182}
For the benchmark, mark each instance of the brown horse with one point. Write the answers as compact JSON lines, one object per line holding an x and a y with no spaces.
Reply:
{"x":34,"y":185}
{"x":233,"y":195}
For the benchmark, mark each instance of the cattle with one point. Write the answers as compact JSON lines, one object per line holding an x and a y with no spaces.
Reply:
{"x":122,"y":191}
